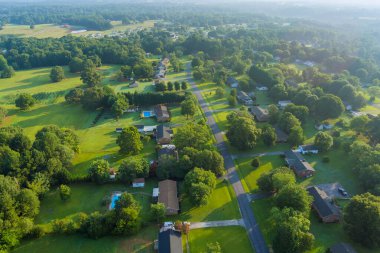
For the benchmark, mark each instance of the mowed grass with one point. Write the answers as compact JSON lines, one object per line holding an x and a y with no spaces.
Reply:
{"x":222,"y":205}
{"x":39,"y":31}
{"x":249,"y":175}
{"x":231,"y":239}
{"x":140,"y":243}
{"x":87,"y":198}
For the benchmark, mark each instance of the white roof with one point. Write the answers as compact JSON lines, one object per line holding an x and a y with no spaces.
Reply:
{"x":156,"y":191}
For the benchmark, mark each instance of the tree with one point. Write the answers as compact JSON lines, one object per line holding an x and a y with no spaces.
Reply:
{"x":329,"y":106}
{"x":269,"y":136}
{"x":3,"y":62}
{"x":205,"y":159}
{"x":64,"y":192}
{"x":3,"y":114}
{"x":74,"y":96}
{"x":300,"y":111}
{"x":158,"y":211}
{"x":76,"y":65}
{"x":29,"y":204}
{"x":188,"y":107}
{"x":99,"y":171}
{"x":219,"y":92}
{"x":57,"y":74}
{"x":294,"y":196}
{"x":170,"y":86}
{"x":232,"y":101}
{"x":362,"y":219}
{"x":192,"y":135}
{"x":276,"y":179}
{"x":134,"y":167}
{"x":199,"y":184}
{"x":278,"y":92}
{"x":8,"y":72}
{"x":296,"y":136}
{"x":323,"y":141}
{"x":9,"y":161}
{"x":288,"y":121}
{"x":40,"y":184}
{"x":24,"y":101}
{"x":119,"y":106}
{"x":184,"y":85}
{"x":129,"y":141}
{"x":242,"y":133}
{"x":274,"y":114}
{"x":291,"y":232}
{"x":177,"y":86}
{"x":359,"y":123}
{"x":90,"y":76}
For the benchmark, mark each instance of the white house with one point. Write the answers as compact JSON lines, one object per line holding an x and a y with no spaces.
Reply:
{"x":308,"y":149}
{"x":138,"y":183}
{"x":282,"y":104}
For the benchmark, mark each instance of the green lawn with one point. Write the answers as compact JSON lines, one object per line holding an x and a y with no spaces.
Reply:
{"x":87,"y":198}
{"x":221,"y":206}
{"x":231,"y":239}
{"x":249,"y":175}
{"x":140,"y":243}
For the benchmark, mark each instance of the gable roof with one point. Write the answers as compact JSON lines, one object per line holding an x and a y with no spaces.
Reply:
{"x":170,"y":241}
{"x":243,"y":95}
{"x":161,"y":111}
{"x":281,"y":135}
{"x":260,"y":113}
{"x":168,"y":194}
{"x":322,"y":202}
{"x":231,"y":80}
{"x":163,"y":132}
{"x":342,"y":248}
{"x":309,"y":147}
{"x":297,"y":162}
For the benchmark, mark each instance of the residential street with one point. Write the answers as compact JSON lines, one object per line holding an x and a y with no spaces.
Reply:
{"x":253,"y":230}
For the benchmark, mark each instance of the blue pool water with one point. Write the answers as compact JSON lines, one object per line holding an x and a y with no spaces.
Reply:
{"x":114,"y":198}
{"x":147,"y":114}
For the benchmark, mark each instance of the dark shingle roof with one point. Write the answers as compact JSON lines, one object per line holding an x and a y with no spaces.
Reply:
{"x":297,"y":161}
{"x":322,"y":202}
{"x":170,"y":241}
{"x":342,"y":248}
{"x":163,"y":132}
{"x":260,"y":113}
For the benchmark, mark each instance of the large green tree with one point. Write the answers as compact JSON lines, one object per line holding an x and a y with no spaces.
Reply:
{"x":242,"y":132}
{"x":329,"y":106}
{"x":323,"y":141}
{"x":294,"y":196}
{"x":24,"y":101}
{"x":129,"y":141}
{"x":57,"y":74}
{"x":132,"y":168}
{"x":99,"y":171}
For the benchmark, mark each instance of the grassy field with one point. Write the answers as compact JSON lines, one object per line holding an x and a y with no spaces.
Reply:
{"x":249,"y":175}
{"x":221,"y":206}
{"x":231,"y":239}
{"x":140,"y":243}
{"x":56,"y":31}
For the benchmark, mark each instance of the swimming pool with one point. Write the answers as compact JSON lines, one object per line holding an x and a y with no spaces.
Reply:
{"x":115,"y":197}
{"x":147,"y":114}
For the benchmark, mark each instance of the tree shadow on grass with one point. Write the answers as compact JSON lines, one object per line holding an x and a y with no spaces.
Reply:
{"x":28,"y":83}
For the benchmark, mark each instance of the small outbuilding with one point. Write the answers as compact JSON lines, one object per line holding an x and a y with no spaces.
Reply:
{"x":138,"y":183}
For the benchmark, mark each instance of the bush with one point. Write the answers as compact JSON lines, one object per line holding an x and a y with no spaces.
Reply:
{"x":64,"y":226}
{"x":255,"y":163}
{"x":36,"y":232}
{"x":326,"y":159}
{"x":64,"y":192}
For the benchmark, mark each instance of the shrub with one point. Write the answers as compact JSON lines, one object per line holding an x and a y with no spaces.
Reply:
{"x":64,"y":192}
{"x":326,"y":159}
{"x":255,"y":163}
{"x":36,"y":232}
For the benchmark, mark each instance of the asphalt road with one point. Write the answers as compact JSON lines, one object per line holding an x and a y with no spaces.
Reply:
{"x":253,"y":230}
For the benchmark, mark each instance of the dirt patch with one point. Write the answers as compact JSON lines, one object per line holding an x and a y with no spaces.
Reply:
{"x":332,"y":190}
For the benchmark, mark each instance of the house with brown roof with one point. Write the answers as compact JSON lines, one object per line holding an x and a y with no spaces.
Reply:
{"x":260,"y":114}
{"x":342,"y":248}
{"x":162,"y":113}
{"x":163,"y":135}
{"x":298,"y":164}
{"x":168,"y":196}
{"x":324,"y":206}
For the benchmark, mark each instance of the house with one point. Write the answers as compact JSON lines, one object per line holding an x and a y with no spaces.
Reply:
{"x":244,"y":98}
{"x":262,"y":88}
{"x":232,"y":82}
{"x":308,"y":149}
{"x":260,"y":114}
{"x":162,"y":113}
{"x":163,"y":135}
{"x":170,"y":241}
{"x":282,"y":137}
{"x":282,"y":104}
{"x":168,"y":196}
{"x":298,"y":164}
{"x":323,"y":127}
{"x":291,"y":83}
{"x":112,"y":172}
{"x":138,"y":183}
{"x":327,"y":211}
{"x":134,"y":84}
{"x":341,"y":248}
{"x":147,"y":130}
{"x":168,"y":150}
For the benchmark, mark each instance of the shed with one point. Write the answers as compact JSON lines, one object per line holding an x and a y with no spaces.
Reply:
{"x":138,"y":183}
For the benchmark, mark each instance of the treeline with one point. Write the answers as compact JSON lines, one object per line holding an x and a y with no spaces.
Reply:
{"x":144,"y":99}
